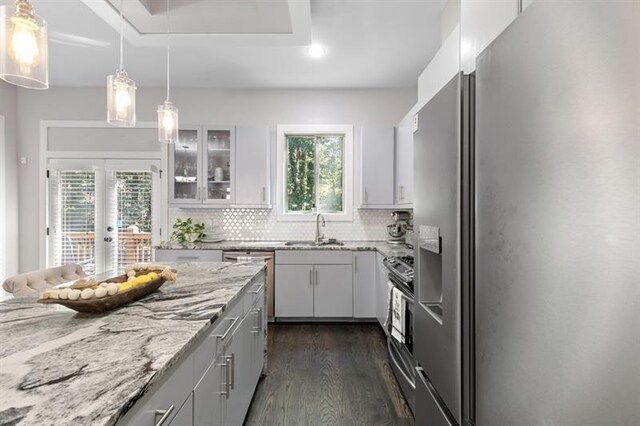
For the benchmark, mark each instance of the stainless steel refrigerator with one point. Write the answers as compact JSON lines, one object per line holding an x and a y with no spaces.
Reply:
{"x":528,"y":285}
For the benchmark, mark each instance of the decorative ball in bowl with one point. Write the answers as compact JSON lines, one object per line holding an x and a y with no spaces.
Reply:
{"x":87,"y":295}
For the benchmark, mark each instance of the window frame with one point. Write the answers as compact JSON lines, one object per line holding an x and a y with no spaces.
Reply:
{"x":282,"y":131}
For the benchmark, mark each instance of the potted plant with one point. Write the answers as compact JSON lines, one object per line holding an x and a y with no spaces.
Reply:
{"x":187,"y":233}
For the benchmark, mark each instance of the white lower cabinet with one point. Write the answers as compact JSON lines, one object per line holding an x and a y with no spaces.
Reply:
{"x":333,"y":293}
{"x":307,"y":291}
{"x":207,"y":396}
{"x":364,"y":284}
{"x":214,"y":384}
{"x":293,"y":291}
{"x":184,"y":417}
{"x":187,"y":255}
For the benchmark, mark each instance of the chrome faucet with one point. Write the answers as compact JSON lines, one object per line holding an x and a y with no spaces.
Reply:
{"x":319,"y":237}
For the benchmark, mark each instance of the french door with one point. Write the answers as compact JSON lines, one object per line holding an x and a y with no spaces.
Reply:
{"x":102,"y":214}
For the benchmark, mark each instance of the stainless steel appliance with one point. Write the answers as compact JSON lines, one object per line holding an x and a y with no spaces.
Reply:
{"x":442,"y":201}
{"x":258,"y":256}
{"x":526,"y":257}
{"x":401,"y":353}
{"x":558,"y":218}
{"x":396,"y":231}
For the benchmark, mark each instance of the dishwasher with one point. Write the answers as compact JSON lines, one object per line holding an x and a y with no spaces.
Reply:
{"x":257,"y":256}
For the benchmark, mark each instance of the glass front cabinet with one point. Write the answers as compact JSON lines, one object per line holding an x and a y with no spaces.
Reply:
{"x":202,"y":166}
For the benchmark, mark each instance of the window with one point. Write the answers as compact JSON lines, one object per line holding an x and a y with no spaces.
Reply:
{"x":314,"y":172}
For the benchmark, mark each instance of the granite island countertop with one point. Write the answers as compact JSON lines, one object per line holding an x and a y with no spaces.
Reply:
{"x":61,"y":367}
{"x":381,"y":246}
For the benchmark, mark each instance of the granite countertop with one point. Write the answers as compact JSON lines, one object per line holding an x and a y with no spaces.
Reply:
{"x":381,"y":246}
{"x":60,"y":367}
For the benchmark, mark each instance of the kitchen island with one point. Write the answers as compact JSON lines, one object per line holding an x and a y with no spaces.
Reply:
{"x":61,"y":367}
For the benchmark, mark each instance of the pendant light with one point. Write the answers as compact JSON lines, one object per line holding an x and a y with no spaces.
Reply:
{"x":23,"y":47}
{"x":167,"y":112}
{"x":121,"y":90}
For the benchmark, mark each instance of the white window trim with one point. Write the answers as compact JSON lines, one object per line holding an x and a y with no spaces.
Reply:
{"x":318,"y":129}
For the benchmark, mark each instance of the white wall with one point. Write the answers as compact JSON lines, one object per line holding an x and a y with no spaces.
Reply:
{"x":8,"y":103}
{"x":250,"y":107}
{"x":480,"y":23}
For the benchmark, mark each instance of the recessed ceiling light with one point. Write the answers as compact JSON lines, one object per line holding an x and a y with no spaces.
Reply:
{"x":316,"y":51}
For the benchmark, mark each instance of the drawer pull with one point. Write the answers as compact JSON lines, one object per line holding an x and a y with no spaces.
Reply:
{"x":165,"y":415}
{"x":257,"y":291}
{"x":187,"y":257}
{"x":258,"y":327}
{"x":226,"y":392}
{"x":226,"y":333}
{"x":231,"y":365}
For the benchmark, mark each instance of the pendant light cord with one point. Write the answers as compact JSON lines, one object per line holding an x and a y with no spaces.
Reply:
{"x":168,"y":52}
{"x":121,"y":36}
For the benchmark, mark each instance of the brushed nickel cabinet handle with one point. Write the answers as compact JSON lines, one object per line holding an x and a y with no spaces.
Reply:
{"x":165,"y":415}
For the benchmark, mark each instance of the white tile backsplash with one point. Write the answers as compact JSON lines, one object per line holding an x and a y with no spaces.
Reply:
{"x":261,"y":224}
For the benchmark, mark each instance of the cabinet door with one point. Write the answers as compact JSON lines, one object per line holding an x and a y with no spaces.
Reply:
{"x":333,"y":295}
{"x":364,"y":284}
{"x":382,"y":292}
{"x":185,"y":160}
{"x":377,"y":166}
{"x":260,"y":336}
{"x":404,"y":165}
{"x":207,"y":397}
{"x":218,"y":147}
{"x":294,"y":291}
{"x":240,"y":360}
{"x":252,"y":166}
{"x":184,"y":417}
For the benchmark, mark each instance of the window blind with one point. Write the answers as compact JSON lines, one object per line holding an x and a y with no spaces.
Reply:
{"x":72,"y":218}
{"x":130,"y":212}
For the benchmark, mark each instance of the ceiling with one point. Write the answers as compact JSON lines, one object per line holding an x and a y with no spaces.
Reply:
{"x":244,"y":43}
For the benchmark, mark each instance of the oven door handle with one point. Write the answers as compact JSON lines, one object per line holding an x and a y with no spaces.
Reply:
{"x":392,"y":351}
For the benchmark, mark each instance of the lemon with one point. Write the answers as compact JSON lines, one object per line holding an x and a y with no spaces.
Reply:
{"x":143,"y":279}
{"x":152,"y":275}
{"x":125,"y":286}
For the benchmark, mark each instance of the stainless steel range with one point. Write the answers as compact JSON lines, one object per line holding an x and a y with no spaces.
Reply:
{"x":399,"y":325}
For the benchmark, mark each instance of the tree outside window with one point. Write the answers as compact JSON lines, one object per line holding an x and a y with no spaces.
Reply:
{"x":314,"y":173}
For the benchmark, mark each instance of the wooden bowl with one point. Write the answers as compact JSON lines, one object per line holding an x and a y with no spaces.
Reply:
{"x":109,"y":303}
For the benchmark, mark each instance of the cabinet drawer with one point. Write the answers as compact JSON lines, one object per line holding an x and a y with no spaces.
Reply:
{"x":208,"y":347}
{"x":252,"y":294}
{"x":184,"y":255}
{"x":172,"y":391}
{"x":313,"y":257}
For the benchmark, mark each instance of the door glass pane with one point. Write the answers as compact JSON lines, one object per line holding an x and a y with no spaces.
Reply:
{"x":186,"y":165}
{"x":218,"y":164}
{"x":74,"y":213}
{"x":134,"y":191}
{"x":330,"y":173}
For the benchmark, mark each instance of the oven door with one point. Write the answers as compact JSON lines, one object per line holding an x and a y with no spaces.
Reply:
{"x":401,"y":355}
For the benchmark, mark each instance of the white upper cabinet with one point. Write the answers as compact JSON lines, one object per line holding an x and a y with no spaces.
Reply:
{"x":377,"y":167}
{"x":218,"y":166}
{"x":252,"y":167}
{"x":404,"y":166}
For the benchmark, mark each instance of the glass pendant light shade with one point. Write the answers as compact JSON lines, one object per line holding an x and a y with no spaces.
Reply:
{"x":121,"y":100}
{"x":167,"y":122}
{"x":24,"y":57}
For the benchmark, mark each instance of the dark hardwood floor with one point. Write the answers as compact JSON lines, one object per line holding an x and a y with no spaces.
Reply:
{"x":328,"y":374}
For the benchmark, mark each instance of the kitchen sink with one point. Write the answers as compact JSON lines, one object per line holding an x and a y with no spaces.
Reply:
{"x":313,"y":243}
